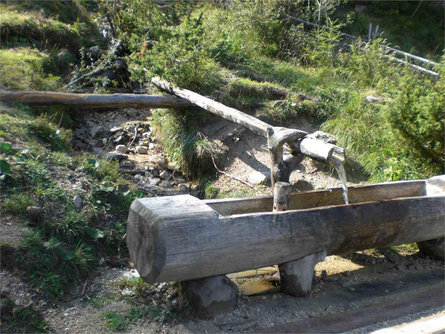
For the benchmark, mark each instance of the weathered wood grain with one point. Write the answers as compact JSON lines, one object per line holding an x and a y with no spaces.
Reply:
{"x":214,"y":107}
{"x":92,"y":100}
{"x":166,"y":245}
{"x":318,"y":198}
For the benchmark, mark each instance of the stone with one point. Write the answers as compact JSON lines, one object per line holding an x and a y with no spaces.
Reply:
{"x":160,"y":161}
{"x":164,"y":175}
{"x":34,"y":212}
{"x":296,"y":276}
{"x":121,"y":149}
{"x":127,"y":164}
{"x":77,"y":201}
{"x":146,"y":134}
{"x":115,"y":129}
{"x":373,"y":99}
{"x":116,"y":156}
{"x":141,"y":149}
{"x":211,"y":296}
{"x":184,"y":188}
{"x":154,"y":181}
{"x":257,"y":178}
{"x":151,"y":146}
{"x":100,"y":131}
{"x":118,"y":139}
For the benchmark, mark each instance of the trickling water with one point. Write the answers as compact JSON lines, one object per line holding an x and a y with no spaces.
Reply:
{"x":338,"y":165}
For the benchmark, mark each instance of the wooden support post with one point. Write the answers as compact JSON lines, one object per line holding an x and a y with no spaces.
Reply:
{"x":296,"y":276}
{"x":281,"y":196}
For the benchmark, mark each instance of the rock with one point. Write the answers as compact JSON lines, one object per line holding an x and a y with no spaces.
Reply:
{"x":121,"y":149}
{"x":118,"y":139}
{"x":154,"y":181}
{"x":373,"y":99}
{"x":160,"y":160}
{"x":146,"y":134}
{"x":127,"y":164}
{"x":141,"y":149}
{"x":100,"y":131}
{"x":97,"y":143}
{"x":211,"y":295}
{"x":164,"y":175}
{"x":184,"y":188}
{"x":115,"y":129}
{"x":151,"y":146}
{"x":116,"y":156}
{"x":77,"y":201}
{"x":34,"y":212}
{"x":257,"y":178}
{"x":165,"y":184}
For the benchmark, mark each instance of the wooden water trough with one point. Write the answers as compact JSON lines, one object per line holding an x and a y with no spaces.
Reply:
{"x":179,"y":238}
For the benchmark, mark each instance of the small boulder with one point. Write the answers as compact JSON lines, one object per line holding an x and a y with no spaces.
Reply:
{"x":121,"y":149}
{"x":115,"y":129}
{"x":100,"y":131}
{"x":77,"y":201}
{"x":257,"y":178}
{"x":116,"y":156}
{"x":141,"y":149}
{"x":154,"y":181}
{"x":211,"y":296}
{"x":373,"y":99}
{"x":151,"y":146}
{"x":164,"y":175}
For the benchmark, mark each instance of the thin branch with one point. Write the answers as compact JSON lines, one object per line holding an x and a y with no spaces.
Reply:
{"x":231,"y":176}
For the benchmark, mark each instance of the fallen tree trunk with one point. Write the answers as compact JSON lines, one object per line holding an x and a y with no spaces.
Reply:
{"x":316,"y":149}
{"x":93,"y":100}
{"x":182,"y":238}
{"x":214,"y":107}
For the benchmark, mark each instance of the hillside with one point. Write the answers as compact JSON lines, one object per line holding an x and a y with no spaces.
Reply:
{"x":68,"y":176}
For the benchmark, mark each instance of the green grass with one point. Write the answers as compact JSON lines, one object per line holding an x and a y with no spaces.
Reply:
{"x":21,"y":319}
{"x":35,"y":30}
{"x":24,"y":68}
{"x":65,"y":241}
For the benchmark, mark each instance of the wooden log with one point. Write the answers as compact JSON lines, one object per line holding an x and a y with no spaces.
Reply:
{"x":181,"y":238}
{"x":93,"y":100}
{"x":278,"y":136}
{"x":214,"y":107}
{"x":319,"y":198}
{"x":281,"y":196}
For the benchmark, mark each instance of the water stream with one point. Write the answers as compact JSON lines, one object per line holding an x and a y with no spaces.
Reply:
{"x":338,"y":165}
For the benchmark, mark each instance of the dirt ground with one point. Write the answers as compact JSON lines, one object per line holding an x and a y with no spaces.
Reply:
{"x":355,"y":293}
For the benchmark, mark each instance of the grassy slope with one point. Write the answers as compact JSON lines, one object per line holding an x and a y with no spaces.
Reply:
{"x":230,"y":55}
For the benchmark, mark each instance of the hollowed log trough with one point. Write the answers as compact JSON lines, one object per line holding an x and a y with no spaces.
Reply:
{"x":178,"y":238}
